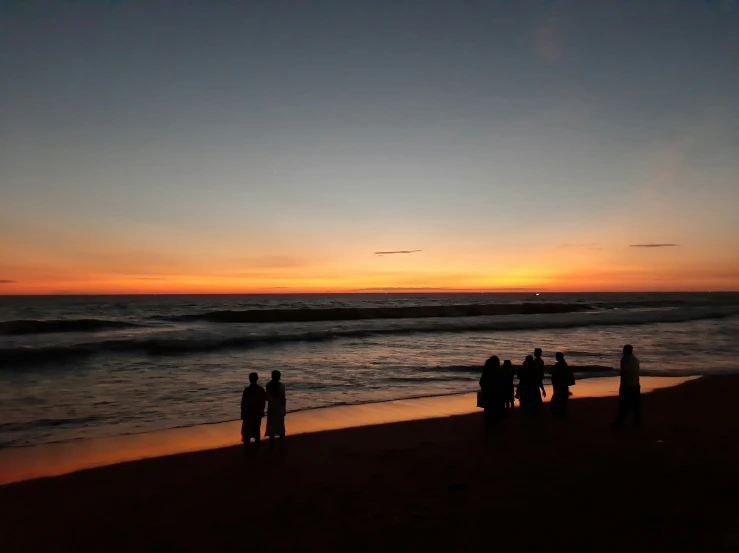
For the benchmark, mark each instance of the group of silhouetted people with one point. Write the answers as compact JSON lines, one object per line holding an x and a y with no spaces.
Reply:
{"x":253,"y":402}
{"x":497,"y":394}
{"x":497,"y":390}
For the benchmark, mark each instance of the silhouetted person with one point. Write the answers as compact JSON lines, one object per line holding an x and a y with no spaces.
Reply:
{"x":562,"y":379}
{"x":529,"y":384}
{"x":539,"y":362}
{"x":491,"y":386}
{"x":629,"y":392}
{"x":508,"y":375}
{"x":252,"y":410}
{"x":276,"y":408}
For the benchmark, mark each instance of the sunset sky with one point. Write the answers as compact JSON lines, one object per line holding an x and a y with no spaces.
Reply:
{"x":275,"y":146}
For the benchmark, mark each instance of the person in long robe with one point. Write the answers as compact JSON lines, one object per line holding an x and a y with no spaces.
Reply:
{"x":276,"y":408}
{"x":562,"y":379}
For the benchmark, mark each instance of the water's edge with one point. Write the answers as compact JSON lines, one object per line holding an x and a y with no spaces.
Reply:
{"x":44,"y":460}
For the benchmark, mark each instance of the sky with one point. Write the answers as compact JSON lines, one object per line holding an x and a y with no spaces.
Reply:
{"x":188,"y":147}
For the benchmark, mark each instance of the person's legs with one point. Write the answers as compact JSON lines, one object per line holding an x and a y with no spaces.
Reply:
{"x":559,"y":407}
{"x":487,"y":417}
{"x":623,"y":408}
{"x":245,"y":436}
{"x":636,"y":405}
{"x":499,"y":410}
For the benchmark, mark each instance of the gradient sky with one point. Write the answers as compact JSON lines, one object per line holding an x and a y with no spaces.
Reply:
{"x":274,"y":146}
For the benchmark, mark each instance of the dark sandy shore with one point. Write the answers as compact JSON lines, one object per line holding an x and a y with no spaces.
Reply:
{"x":429,"y":485}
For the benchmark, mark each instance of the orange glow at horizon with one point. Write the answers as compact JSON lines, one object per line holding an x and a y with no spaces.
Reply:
{"x":582,"y":280}
{"x":69,"y":260}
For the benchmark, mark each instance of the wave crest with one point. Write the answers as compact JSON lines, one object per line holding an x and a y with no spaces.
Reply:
{"x":34,"y":326}
{"x":174,"y":344}
{"x":364,"y":313}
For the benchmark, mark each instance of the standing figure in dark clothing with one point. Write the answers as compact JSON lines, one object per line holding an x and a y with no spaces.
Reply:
{"x":539,"y":362}
{"x":492,"y":393}
{"x":529,"y":384}
{"x":509,"y":392}
{"x":562,"y":379}
{"x":252,"y":410}
{"x":629,"y":391}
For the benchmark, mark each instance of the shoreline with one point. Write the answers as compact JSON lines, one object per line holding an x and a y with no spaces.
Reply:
{"x":58,"y":458}
{"x":423,"y":485}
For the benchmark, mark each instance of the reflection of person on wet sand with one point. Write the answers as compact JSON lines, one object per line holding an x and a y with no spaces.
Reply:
{"x":252,"y":411}
{"x":276,"y":409}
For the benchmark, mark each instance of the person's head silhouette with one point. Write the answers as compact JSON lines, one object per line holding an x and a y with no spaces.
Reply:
{"x":628,"y":349}
{"x":559,"y":356}
{"x":276,"y":375}
{"x":529,"y":359}
{"x":537,"y":352}
{"x":253,"y":377}
{"x":507,"y":364}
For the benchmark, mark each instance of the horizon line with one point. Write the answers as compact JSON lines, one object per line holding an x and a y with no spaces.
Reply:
{"x":376,"y":292}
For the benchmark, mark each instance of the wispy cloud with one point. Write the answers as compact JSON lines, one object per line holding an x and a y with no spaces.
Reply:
{"x":6,"y":281}
{"x":397,"y":251}
{"x":398,"y":288}
{"x":441,"y":289}
{"x":653,"y":245}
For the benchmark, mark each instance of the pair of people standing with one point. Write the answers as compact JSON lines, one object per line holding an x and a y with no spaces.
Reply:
{"x":531,"y":380}
{"x":253,"y":402}
{"x":496,"y":388}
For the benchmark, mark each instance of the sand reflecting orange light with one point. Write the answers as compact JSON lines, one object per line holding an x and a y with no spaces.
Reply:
{"x":23,"y":463}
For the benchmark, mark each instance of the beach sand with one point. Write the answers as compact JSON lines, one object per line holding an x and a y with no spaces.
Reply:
{"x":430,"y":484}
{"x":52,"y":459}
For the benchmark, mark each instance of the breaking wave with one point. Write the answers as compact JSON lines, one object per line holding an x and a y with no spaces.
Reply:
{"x":180,"y":343}
{"x":33,"y":326}
{"x":365,"y":313}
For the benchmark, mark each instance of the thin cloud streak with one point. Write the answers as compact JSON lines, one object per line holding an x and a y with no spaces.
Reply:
{"x":6,"y":281}
{"x":442,"y":289}
{"x":653,"y":245}
{"x":396,"y":252}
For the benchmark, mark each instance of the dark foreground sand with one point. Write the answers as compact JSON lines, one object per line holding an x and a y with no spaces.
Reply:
{"x":429,"y":485}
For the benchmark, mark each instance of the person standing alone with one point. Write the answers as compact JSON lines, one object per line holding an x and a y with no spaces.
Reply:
{"x":629,"y":392}
{"x":252,"y":410}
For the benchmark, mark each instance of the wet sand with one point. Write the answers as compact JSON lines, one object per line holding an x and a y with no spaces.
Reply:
{"x":430,"y":484}
{"x":22,"y":463}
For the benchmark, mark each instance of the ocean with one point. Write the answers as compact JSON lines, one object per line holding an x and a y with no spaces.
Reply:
{"x":74,"y":367}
